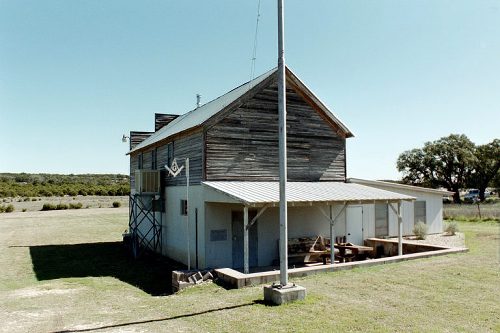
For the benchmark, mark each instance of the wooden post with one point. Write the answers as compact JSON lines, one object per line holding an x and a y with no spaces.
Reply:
{"x":246,"y":267}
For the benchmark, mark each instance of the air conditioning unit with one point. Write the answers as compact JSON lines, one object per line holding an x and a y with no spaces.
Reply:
{"x":147,"y":181}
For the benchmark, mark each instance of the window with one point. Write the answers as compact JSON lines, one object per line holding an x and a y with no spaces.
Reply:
{"x":184,"y":207}
{"x":154,"y":161}
{"x":420,"y":212}
{"x":170,"y":153}
{"x":381,"y":220}
{"x":140,"y":161}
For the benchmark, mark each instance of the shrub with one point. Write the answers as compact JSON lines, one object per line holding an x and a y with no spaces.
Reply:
{"x":46,"y":193}
{"x":2,"y":208}
{"x":34,"y":199}
{"x":420,"y":230}
{"x":451,"y":228}
{"x":77,"y":205}
{"x":72,"y":193}
{"x":26,"y":199}
{"x":47,"y":206}
{"x":24,"y":209}
{"x":61,"y":206}
{"x":116,"y":204}
{"x":9,"y":209}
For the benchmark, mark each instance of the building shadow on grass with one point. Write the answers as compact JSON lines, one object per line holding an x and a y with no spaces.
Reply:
{"x":150,"y":273}
{"x":140,"y":322}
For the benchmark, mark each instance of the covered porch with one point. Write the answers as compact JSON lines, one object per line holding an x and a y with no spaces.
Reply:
{"x":329,"y":208}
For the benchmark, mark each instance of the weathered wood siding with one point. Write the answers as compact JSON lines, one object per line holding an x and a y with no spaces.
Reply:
{"x":134,"y":159}
{"x":244,"y":145}
{"x":137,"y":137}
{"x":162,"y":157}
{"x":162,"y":120}
{"x":189,"y":146}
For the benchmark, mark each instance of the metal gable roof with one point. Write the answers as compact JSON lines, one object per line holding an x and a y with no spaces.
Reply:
{"x":399,"y":186}
{"x":258,"y":193}
{"x":203,"y":113}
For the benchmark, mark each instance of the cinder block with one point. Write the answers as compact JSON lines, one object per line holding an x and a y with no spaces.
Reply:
{"x":284,"y":295}
{"x":178,"y":276}
{"x":208,"y":276}
{"x":198,"y":276}
{"x":183,"y":285}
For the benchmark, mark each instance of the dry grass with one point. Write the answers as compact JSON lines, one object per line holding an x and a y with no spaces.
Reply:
{"x":470,"y":212}
{"x":72,"y":292}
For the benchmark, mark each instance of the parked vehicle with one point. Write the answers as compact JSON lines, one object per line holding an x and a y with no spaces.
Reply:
{"x":473,"y":195}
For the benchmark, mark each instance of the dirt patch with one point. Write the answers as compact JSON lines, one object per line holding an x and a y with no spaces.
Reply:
{"x":37,"y":292}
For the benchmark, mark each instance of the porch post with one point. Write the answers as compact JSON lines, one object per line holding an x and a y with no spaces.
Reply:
{"x":400,"y":230}
{"x":246,"y":269}
{"x":332,"y":238}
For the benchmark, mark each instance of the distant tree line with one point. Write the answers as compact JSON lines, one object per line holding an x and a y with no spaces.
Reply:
{"x":47,"y":185}
{"x":453,"y":162}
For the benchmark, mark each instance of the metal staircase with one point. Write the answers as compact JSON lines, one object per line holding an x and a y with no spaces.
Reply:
{"x":144,"y":226}
{"x":145,"y":220}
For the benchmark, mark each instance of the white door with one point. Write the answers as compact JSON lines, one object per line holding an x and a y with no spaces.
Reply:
{"x":354,"y":225}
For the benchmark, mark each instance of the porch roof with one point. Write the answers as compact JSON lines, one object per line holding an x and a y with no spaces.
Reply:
{"x":302,"y":193}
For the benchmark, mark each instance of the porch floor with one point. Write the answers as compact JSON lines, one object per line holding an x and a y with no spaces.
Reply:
{"x":265,"y":275}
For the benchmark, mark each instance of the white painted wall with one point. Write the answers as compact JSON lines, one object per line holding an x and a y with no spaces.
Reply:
{"x":174,"y":244}
{"x":434,"y":212}
{"x":302,"y":221}
{"x":218,"y":217}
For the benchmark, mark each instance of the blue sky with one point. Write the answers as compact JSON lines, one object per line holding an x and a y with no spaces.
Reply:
{"x":76,"y":75}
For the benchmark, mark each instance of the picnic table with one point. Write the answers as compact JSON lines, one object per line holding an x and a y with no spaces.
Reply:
{"x":347,"y":251}
{"x":355,"y":250}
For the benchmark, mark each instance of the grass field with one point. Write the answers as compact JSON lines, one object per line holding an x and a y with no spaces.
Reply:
{"x":470,"y":211}
{"x":65,"y":271}
{"x":88,"y":201}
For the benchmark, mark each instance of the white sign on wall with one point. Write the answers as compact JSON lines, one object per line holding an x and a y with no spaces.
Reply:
{"x":174,"y":169}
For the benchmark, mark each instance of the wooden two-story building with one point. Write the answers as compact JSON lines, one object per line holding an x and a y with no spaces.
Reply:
{"x":231,"y":218}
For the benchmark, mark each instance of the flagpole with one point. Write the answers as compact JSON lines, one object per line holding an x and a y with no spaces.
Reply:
{"x":283,"y":292}
{"x":282,"y":147}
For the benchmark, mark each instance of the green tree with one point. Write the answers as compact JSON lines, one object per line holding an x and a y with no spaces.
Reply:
{"x":446,"y":162}
{"x":486,"y":166}
{"x":496,"y":183}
